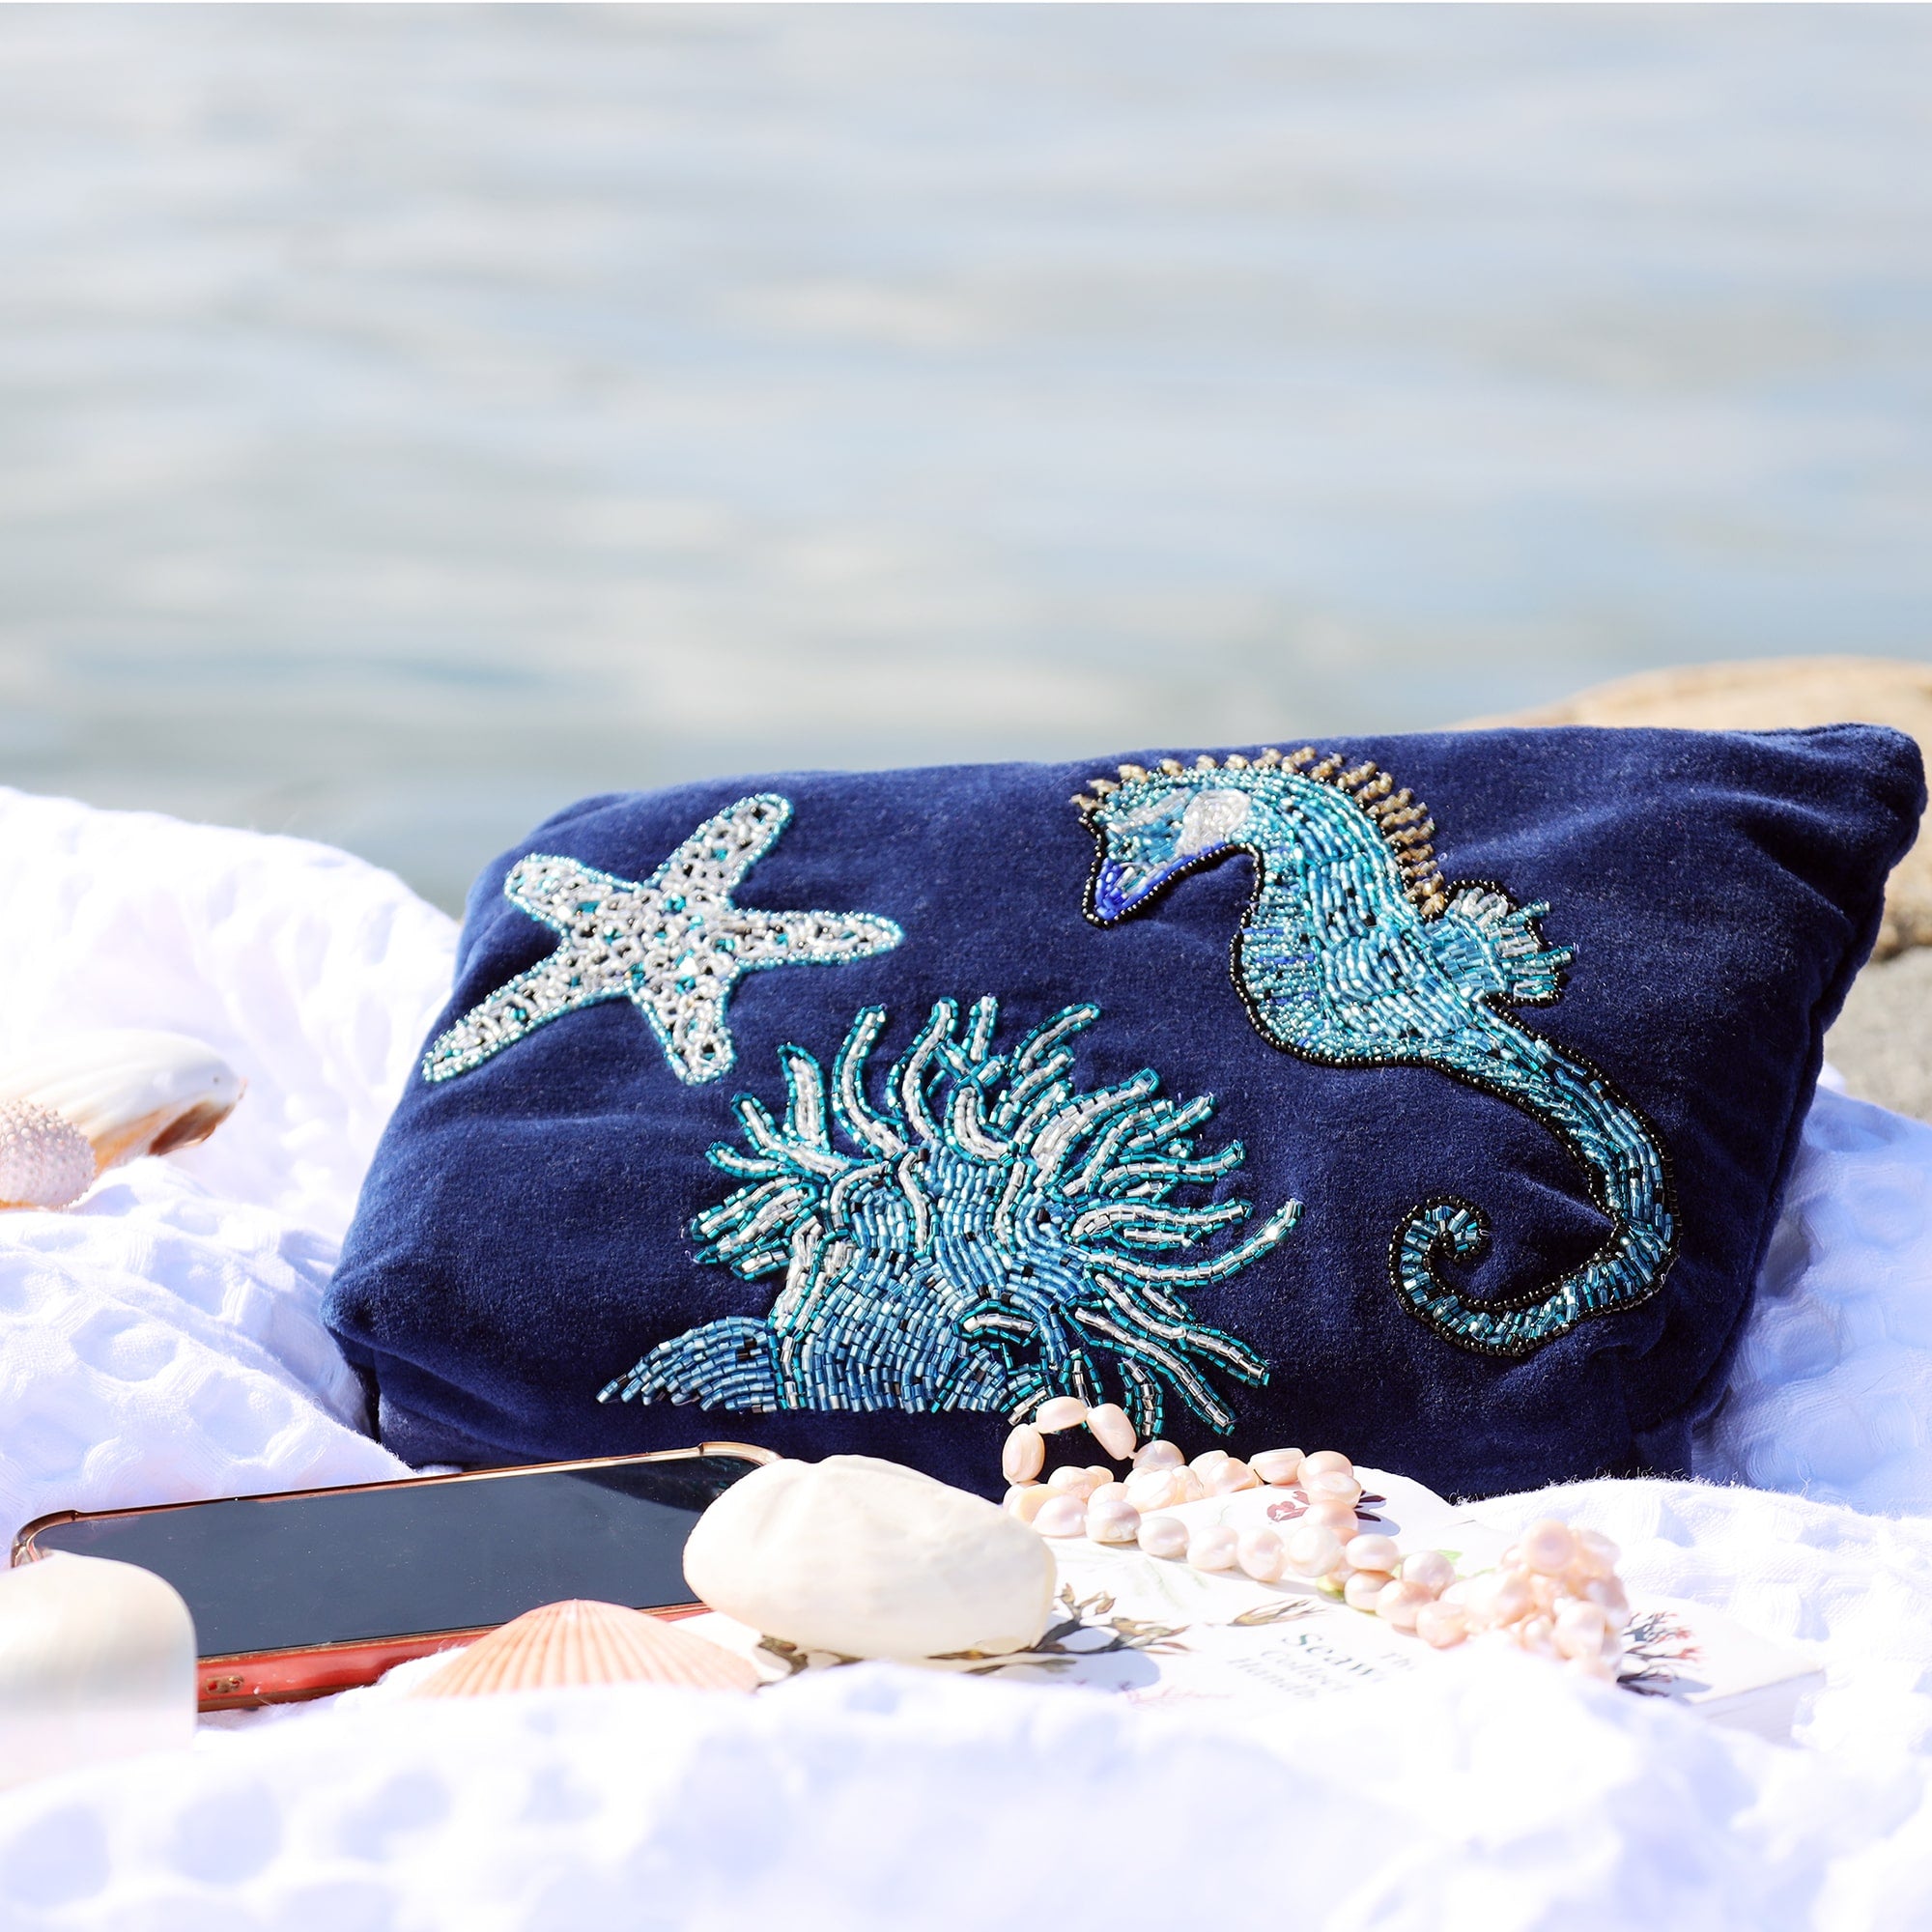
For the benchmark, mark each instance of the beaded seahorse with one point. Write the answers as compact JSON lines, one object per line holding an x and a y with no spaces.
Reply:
{"x":1354,"y":953}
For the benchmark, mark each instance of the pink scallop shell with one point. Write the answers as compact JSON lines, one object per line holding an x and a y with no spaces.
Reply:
{"x":578,"y":1642}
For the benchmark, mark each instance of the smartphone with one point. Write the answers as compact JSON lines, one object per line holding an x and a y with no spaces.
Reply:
{"x":311,"y":1591}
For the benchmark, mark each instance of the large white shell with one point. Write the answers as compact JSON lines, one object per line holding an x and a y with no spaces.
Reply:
{"x":866,"y":1558}
{"x":112,"y":1097}
{"x":584,"y":1642}
{"x":97,"y":1660}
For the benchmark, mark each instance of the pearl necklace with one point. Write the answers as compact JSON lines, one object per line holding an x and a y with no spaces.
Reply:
{"x":1555,"y":1592}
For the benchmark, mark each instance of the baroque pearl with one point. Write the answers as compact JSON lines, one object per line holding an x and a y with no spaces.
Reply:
{"x":1441,"y":1626}
{"x":1259,"y":1553}
{"x":1025,"y":1500}
{"x":1400,"y":1604}
{"x":1429,"y":1570}
{"x":1061,"y":1411}
{"x":1230,"y":1478}
{"x":1110,"y":1428}
{"x":1109,"y":1494}
{"x":1153,"y":1489}
{"x":1207,"y":1462}
{"x":1313,"y":1550}
{"x":1212,"y":1547}
{"x":1024,"y":1455}
{"x":1158,"y":1454}
{"x":1163,"y":1536}
{"x":1276,"y":1465}
{"x":1363,"y":1587}
{"x":1338,"y":1517}
{"x":1372,"y":1552}
{"x":1324,"y":1461}
{"x":1330,"y":1486}
{"x":1114,"y":1521}
{"x":1580,"y":1629}
{"x":1597,"y":1553}
{"x":1063,"y":1514}
{"x":1549,"y":1546}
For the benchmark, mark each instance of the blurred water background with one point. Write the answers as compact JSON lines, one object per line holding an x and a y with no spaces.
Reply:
{"x":413,"y":420}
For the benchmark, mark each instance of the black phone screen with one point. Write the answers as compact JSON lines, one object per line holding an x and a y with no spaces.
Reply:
{"x":275,"y":1573}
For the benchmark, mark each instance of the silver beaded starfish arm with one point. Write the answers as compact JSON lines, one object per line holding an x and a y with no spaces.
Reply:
{"x":588,"y":908}
{"x":812,"y":938}
{"x":675,"y":944}
{"x":712,"y":863}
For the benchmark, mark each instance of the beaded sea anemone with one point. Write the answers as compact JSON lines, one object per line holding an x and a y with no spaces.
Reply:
{"x":986,"y":1236}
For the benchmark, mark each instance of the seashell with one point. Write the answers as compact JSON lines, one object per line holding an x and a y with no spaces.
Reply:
{"x":97,"y":1660}
{"x":578,"y":1642}
{"x":1110,"y":1428}
{"x":1024,"y":1455}
{"x":74,"y":1107}
{"x":1061,"y":1411}
{"x":863,"y":1559}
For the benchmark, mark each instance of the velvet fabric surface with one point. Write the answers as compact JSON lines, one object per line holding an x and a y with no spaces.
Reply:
{"x":1502,"y":1216}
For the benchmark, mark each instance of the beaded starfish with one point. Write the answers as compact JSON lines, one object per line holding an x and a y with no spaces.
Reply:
{"x":673,"y":944}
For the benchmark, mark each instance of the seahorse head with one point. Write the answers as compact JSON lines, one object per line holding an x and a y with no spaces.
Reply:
{"x":1157,"y":827}
{"x":1152,"y":826}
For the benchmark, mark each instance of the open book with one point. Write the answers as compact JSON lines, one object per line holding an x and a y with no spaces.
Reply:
{"x":1162,"y":1633}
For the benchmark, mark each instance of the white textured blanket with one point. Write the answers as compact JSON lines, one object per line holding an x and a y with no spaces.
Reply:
{"x":162,"y":1343}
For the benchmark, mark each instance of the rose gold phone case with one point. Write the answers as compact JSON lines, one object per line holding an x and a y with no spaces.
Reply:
{"x":238,"y":1680}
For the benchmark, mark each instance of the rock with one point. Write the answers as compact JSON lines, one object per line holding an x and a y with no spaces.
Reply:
{"x":1883,"y":1041}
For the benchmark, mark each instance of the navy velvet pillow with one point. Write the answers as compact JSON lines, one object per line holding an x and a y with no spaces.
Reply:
{"x":862,"y":1112}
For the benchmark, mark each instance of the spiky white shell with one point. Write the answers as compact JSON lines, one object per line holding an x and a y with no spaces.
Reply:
{"x":865,"y":1558}
{"x":582,"y":1642}
{"x":44,"y":1161}
{"x":116,"y":1095}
